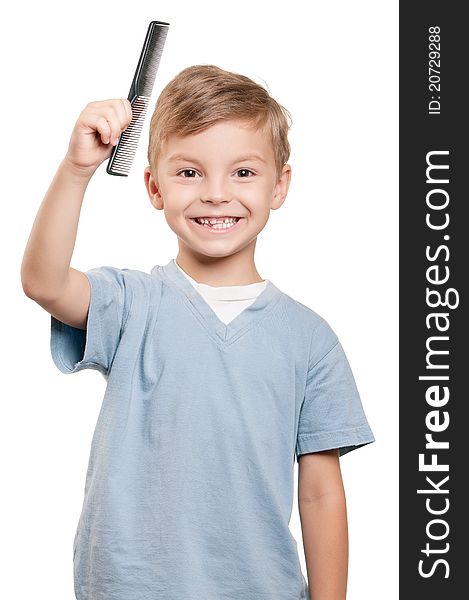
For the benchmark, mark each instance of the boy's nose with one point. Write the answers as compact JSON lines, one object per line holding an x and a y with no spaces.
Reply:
{"x":215,"y":191}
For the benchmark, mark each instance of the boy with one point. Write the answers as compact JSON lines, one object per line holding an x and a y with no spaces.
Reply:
{"x":215,"y":378}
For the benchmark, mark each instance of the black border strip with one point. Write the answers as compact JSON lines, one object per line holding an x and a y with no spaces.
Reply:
{"x":434,"y":267}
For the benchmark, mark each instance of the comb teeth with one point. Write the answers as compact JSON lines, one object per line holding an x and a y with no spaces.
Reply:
{"x":128,"y":141}
{"x":122,"y":155}
{"x":152,"y":61}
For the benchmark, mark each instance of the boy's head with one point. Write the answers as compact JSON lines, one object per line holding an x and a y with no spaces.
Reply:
{"x":202,"y":95}
{"x":218,"y":149}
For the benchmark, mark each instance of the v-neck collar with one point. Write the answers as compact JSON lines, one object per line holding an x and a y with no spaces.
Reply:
{"x":226,"y":333}
{"x":225,"y":293}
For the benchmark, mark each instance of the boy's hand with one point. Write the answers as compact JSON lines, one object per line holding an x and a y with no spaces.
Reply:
{"x":96,"y":132}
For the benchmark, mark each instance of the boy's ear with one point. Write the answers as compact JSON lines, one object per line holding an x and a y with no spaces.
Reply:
{"x":153,"y":189}
{"x":281,"y":188}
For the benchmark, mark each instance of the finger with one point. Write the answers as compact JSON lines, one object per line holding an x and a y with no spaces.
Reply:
{"x":92,"y":122}
{"x":112,"y":116}
{"x":119,"y":117}
{"x":122,"y":111}
{"x":116,"y":117}
{"x":103,"y":127}
{"x":128,"y":110}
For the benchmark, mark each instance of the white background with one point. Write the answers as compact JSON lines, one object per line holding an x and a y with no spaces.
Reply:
{"x":332,"y":245}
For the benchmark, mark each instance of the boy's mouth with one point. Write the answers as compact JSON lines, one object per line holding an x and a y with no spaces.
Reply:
{"x":217,"y":224}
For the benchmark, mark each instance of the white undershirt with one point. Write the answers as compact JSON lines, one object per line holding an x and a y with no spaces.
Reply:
{"x":227,"y":301}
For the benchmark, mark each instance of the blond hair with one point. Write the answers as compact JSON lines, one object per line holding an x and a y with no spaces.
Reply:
{"x":201,"y":95}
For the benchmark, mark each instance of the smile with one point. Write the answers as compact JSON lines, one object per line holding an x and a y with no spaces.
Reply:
{"x":219,"y":225}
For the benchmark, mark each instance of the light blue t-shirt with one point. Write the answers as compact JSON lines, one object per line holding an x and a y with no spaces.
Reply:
{"x":189,"y":487}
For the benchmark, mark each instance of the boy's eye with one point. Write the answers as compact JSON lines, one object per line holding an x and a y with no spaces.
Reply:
{"x":193,"y":173}
{"x":244,"y":171}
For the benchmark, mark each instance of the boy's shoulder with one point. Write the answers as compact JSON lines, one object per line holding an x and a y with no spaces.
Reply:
{"x":302,"y":311}
{"x":130,"y":285}
{"x":126,"y":274}
{"x":309,"y":323}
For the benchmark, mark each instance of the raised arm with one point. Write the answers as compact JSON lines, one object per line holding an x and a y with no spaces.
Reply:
{"x":323,"y":515}
{"x":46,"y":275}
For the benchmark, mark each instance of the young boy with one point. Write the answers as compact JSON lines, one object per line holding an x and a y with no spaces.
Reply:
{"x":216,"y":379}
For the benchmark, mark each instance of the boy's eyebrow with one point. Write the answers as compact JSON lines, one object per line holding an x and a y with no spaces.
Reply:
{"x":182,"y":157}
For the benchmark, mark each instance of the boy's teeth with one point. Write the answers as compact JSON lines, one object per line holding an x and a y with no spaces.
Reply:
{"x":224,"y":222}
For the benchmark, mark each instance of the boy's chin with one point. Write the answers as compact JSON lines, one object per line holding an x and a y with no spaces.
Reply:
{"x":203,"y":251}
{"x":220,"y":249}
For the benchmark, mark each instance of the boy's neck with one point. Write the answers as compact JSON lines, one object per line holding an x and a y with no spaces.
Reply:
{"x":236,"y":269}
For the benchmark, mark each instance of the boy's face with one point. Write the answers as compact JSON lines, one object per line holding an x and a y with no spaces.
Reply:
{"x":228,"y":170}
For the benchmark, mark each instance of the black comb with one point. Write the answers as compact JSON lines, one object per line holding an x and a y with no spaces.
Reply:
{"x":123,"y":153}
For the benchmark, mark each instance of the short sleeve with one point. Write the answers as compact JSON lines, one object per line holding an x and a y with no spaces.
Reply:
{"x":75,"y":349}
{"x":331,"y":415}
